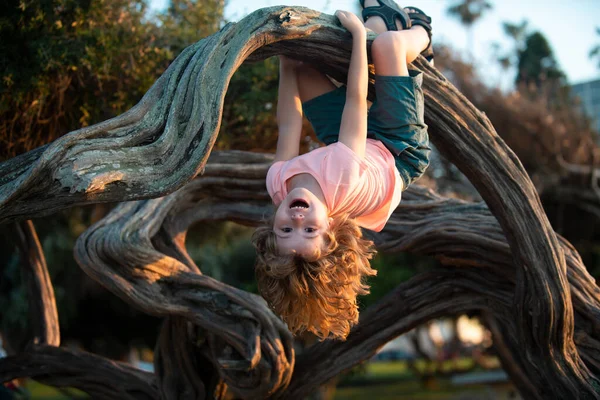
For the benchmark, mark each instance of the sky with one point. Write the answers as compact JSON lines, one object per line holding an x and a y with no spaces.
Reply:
{"x":569,"y":26}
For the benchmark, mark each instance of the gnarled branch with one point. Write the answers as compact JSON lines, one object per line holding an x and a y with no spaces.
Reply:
{"x":97,"y":376}
{"x":42,"y":303}
{"x":162,"y":143}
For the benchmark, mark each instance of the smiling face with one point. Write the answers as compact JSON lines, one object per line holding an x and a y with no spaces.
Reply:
{"x":300,"y":224}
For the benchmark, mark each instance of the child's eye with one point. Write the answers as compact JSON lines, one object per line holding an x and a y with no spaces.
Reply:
{"x":309,"y":230}
{"x":286,"y":230}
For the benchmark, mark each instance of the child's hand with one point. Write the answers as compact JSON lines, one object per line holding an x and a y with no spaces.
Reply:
{"x":350,"y":22}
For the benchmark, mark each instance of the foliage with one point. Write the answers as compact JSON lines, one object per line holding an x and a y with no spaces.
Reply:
{"x":517,"y":32}
{"x":187,"y":21}
{"x":537,"y":64}
{"x":249,"y":112}
{"x":469,"y":11}
{"x":595,"y":51}
{"x":223,"y":251}
{"x":533,"y":58}
{"x":393,"y":269}
{"x":67,"y":64}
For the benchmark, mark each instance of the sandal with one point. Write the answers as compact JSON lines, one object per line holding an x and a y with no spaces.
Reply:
{"x":418,"y":17}
{"x":388,"y":11}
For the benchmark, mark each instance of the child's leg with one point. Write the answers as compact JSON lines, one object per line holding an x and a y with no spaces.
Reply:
{"x":312,"y":83}
{"x":392,"y":51}
{"x":322,"y":103}
{"x":397,"y":115}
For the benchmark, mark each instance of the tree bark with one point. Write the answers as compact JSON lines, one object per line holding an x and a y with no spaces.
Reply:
{"x":509,"y":263}
{"x":95,"y":375}
{"x":42,"y":303}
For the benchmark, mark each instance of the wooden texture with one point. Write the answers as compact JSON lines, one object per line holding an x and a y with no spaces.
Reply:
{"x":97,"y":376}
{"x":42,"y":303}
{"x":501,"y":258}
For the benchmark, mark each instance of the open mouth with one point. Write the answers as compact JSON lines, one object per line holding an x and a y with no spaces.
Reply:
{"x":299,"y":204}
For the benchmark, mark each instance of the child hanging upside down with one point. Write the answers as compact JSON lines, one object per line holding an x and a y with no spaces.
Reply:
{"x":312,"y":258}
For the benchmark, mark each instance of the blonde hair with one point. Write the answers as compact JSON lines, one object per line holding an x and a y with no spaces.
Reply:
{"x":316,"y":296}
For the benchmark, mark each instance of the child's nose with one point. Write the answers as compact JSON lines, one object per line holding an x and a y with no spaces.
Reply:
{"x":297,"y":217}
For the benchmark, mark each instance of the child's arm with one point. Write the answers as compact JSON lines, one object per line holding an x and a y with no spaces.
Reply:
{"x":353,"y":129}
{"x":289,"y":111}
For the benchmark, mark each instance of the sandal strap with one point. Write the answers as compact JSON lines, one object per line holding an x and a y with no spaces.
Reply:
{"x":418,"y":17}
{"x":388,"y":11}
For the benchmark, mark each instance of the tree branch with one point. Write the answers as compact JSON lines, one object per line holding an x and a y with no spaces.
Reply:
{"x":42,"y":303}
{"x":97,"y":376}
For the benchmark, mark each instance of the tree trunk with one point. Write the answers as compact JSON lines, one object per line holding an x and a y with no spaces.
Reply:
{"x":507,"y":262}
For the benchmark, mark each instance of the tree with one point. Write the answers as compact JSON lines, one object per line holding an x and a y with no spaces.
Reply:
{"x":187,"y":20}
{"x":468,"y":12}
{"x":537,"y":64}
{"x":595,"y":51}
{"x":517,"y":32}
{"x":504,"y":261}
{"x":68,"y":64}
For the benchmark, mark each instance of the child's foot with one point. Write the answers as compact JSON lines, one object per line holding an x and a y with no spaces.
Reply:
{"x":419,"y":18}
{"x":391,"y":17}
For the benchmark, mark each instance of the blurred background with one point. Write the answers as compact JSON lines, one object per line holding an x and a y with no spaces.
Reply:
{"x":533,"y":67}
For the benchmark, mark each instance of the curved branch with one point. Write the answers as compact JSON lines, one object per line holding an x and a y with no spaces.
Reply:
{"x":542,"y":304}
{"x":164,"y":141}
{"x":97,"y":376}
{"x":251,"y":346}
{"x":42,"y":303}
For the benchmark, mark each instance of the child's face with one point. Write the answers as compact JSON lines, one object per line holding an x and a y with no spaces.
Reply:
{"x":300,"y":223}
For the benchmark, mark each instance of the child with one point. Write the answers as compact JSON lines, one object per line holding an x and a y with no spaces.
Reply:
{"x":312,"y":258}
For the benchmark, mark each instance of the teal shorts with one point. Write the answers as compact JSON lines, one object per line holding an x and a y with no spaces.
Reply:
{"x":395,"y":118}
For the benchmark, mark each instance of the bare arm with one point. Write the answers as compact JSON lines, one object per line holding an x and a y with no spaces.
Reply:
{"x":289,"y":111}
{"x":353,"y":129}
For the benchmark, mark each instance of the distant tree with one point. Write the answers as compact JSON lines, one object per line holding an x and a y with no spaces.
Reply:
{"x":537,"y":64}
{"x":468,"y":12}
{"x":186,"y":21}
{"x":595,"y":52}
{"x":517,"y":32}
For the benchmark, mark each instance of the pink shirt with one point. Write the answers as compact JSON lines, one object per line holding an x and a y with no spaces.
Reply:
{"x":368,"y":189}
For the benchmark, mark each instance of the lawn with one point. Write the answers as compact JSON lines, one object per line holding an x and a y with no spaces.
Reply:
{"x":43,"y":392}
{"x":394,"y":380}
{"x":409,"y":390}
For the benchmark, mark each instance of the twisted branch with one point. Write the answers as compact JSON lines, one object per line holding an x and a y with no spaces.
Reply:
{"x":42,"y":303}
{"x":162,"y":143}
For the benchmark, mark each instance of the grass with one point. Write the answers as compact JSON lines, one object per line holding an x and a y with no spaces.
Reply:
{"x":400,"y":369}
{"x":394,"y":380}
{"x":406,"y":390}
{"x":39,"y":391}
